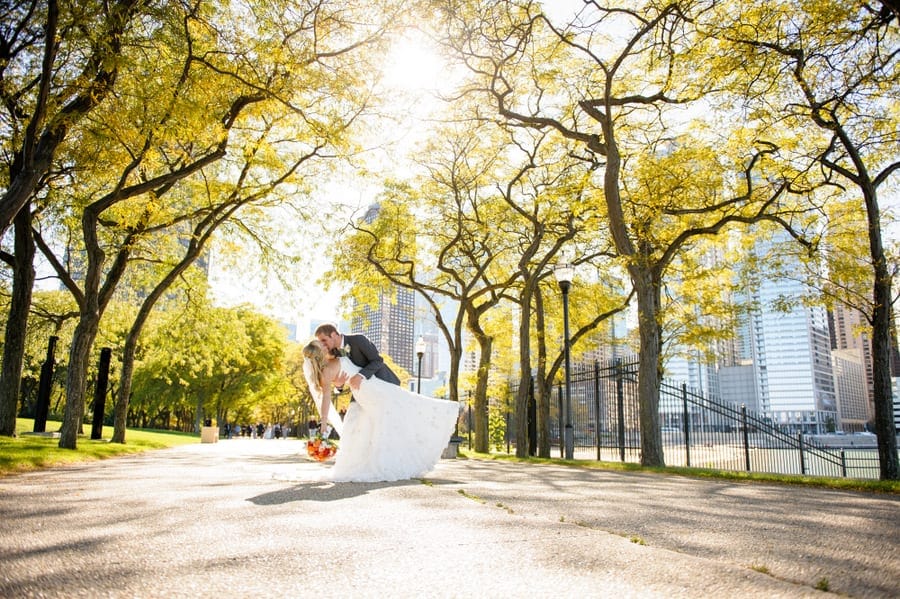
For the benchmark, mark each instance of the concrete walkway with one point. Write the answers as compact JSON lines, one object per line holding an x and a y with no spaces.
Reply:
{"x":245,"y":518}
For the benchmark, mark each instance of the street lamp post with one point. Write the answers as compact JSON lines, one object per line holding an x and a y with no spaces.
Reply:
{"x":420,"y":352}
{"x":564,"y":275}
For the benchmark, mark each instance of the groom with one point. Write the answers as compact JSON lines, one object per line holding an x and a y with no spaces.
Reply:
{"x":361,"y":352}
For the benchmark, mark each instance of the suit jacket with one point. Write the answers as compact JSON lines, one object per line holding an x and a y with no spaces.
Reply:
{"x":364,"y":354}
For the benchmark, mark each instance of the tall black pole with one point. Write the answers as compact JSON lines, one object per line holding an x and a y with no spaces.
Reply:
{"x":42,"y":408}
{"x":532,"y":419}
{"x":419,"y":384}
{"x":100,"y":393}
{"x":570,"y":432}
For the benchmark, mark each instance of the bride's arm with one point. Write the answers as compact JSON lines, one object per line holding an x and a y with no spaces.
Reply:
{"x":327,"y":380}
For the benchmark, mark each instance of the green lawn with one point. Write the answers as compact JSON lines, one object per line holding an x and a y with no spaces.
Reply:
{"x":27,"y":451}
{"x":846,"y":484}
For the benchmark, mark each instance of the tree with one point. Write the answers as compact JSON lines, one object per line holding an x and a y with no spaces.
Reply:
{"x":205,"y":95}
{"x":203,"y":361}
{"x":376,"y":256}
{"x":52,"y":75}
{"x":100,"y":280}
{"x":16,"y":325}
{"x":91,"y":303}
{"x":76,"y":47}
{"x":833,"y":67}
{"x":613,"y":82}
{"x":262,"y":170}
{"x":481,"y":227}
{"x":215,"y":213}
{"x":437,"y":236}
{"x":546,"y":216}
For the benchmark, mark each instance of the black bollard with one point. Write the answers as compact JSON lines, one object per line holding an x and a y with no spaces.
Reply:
{"x":532,"y":419}
{"x":100,"y":393}
{"x":43,"y":398}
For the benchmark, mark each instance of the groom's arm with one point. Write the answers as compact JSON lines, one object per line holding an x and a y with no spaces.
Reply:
{"x":373,"y":359}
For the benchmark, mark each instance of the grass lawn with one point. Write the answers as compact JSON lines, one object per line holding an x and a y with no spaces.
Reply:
{"x":845,"y":484}
{"x":30,"y":451}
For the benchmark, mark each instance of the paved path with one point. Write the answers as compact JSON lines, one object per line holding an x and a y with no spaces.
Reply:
{"x":245,"y":518}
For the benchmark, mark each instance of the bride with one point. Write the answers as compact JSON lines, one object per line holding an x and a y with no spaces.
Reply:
{"x":388,"y":433}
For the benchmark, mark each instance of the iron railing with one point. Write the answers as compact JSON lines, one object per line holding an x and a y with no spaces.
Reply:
{"x":697,"y":431}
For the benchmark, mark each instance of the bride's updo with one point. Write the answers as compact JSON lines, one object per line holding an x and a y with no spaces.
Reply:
{"x":314,"y":352}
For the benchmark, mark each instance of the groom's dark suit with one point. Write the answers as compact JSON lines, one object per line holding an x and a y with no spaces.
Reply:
{"x":364,"y":354}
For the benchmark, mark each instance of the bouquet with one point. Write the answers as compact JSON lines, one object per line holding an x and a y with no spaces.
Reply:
{"x":320,"y":448}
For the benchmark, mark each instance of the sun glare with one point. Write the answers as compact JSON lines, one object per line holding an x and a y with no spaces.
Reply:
{"x":414,"y":65}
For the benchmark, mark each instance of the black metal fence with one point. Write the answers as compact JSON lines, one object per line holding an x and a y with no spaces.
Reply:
{"x":697,"y":431}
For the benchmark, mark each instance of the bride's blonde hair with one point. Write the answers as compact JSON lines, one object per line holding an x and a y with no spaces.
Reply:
{"x":315,"y":353}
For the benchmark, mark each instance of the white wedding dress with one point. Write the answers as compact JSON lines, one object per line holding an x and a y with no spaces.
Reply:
{"x":390,"y":433}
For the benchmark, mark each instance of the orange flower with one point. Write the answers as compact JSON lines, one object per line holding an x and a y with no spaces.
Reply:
{"x":320,"y":449}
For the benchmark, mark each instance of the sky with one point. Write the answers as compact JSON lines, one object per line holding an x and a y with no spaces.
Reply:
{"x":414,"y":71}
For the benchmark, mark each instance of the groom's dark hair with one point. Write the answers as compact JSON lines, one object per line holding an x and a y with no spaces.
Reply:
{"x":326,"y":329}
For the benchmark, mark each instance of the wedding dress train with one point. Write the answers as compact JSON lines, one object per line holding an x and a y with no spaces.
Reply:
{"x":390,"y":433}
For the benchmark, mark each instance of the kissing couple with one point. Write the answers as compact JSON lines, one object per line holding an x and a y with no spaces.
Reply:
{"x":388,"y":432}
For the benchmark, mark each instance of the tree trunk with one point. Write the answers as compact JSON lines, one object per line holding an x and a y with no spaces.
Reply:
{"x":485,"y":345}
{"x":884,"y":408}
{"x":76,"y":377}
{"x":647,"y":286}
{"x":881,"y":345}
{"x":120,"y":418}
{"x":453,"y":375}
{"x":522,"y":396}
{"x":17,"y":324}
{"x":541,"y":390}
{"x":86,"y":331}
{"x":456,"y":354}
{"x":482,"y":440}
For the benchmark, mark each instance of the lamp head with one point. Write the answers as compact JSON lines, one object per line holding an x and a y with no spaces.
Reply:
{"x":564,"y":273}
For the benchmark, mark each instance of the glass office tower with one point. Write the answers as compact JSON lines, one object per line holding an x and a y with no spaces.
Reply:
{"x":791,"y":356}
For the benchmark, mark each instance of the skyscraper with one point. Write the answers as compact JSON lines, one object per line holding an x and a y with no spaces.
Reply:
{"x":850,"y":389}
{"x":793,"y":359}
{"x":780,"y":362}
{"x":390,"y":325}
{"x":849,"y":331}
{"x":790,"y":349}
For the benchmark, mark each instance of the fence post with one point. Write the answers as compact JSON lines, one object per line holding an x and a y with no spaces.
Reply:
{"x":802,"y":457}
{"x":620,"y":401}
{"x":469,"y":418}
{"x":686,"y":426}
{"x":843,"y":463}
{"x":506,"y":418}
{"x":487,"y":419}
{"x":597,"y":407}
{"x":746,"y":435}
